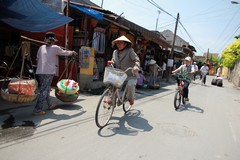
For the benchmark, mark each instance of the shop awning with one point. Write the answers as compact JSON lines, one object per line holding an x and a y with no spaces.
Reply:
{"x":93,"y":13}
{"x":30,"y":15}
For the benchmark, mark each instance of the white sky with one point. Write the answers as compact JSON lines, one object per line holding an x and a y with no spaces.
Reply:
{"x":205,"y":24}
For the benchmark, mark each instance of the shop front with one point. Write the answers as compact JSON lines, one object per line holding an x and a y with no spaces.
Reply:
{"x":20,"y":19}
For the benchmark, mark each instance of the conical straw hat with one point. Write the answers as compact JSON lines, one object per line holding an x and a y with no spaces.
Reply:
{"x":122,"y":38}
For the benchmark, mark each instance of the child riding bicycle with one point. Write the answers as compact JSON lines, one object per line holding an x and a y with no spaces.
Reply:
{"x":185,"y":69}
{"x":123,"y":58}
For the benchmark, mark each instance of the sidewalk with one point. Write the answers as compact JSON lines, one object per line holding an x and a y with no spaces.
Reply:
{"x":5,"y":105}
{"x":8,"y":107}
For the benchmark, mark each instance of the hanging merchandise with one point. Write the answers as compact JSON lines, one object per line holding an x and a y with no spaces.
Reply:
{"x":67,"y":89}
{"x":99,"y":39}
{"x":20,"y":90}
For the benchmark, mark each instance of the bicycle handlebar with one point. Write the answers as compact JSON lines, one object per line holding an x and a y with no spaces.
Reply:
{"x":129,"y":71}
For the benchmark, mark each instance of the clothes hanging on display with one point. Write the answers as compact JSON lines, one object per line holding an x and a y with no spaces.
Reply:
{"x":99,"y":40}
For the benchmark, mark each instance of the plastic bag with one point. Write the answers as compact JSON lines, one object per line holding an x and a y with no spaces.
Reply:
{"x":114,"y":76}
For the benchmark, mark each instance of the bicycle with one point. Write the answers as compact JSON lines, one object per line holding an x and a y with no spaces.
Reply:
{"x":178,"y":97}
{"x":114,"y":95}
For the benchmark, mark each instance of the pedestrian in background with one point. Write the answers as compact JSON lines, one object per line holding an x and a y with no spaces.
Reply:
{"x":204,"y":71}
{"x":164,"y":67}
{"x":153,"y":72}
{"x":219,"y":71}
{"x":195,"y":70}
{"x":47,"y":64}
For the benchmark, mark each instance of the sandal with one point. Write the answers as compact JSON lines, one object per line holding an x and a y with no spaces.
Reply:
{"x":108,"y":101}
{"x":39,"y":113}
{"x":52,"y":106}
{"x":131,"y":101}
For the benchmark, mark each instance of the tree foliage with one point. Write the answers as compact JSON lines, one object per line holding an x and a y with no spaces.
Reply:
{"x":215,"y":61}
{"x":231,"y":54}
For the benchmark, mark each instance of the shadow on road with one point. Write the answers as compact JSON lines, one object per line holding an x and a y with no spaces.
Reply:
{"x":189,"y":107}
{"x":130,"y":124}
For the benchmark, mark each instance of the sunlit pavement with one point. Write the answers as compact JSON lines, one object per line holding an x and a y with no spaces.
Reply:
{"x":17,"y":121}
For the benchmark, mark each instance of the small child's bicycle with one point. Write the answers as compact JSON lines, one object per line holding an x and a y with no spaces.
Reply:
{"x":114,"y":95}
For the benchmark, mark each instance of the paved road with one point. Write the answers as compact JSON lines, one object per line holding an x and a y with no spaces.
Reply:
{"x":207,"y":128}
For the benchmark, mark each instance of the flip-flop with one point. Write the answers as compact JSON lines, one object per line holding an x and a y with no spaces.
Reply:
{"x":39,"y":113}
{"x":52,"y":106}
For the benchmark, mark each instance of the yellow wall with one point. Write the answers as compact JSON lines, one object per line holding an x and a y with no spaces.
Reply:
{"x":224,"y":71}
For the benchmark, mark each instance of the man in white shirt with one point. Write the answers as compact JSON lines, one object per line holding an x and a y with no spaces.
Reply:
{"x":204,"y":71}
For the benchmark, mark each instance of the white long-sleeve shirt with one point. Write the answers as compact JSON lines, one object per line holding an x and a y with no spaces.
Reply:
{"x":204,"y":70}
{"x":47,"y":58}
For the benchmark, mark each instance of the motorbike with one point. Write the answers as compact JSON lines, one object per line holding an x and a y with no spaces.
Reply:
{"x":15,"y":70}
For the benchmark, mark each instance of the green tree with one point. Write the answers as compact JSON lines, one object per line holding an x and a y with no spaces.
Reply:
{"x":231,"y":54}
{"x":237,"y":37}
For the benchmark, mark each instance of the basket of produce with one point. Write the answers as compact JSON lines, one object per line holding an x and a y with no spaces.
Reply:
{"x":20,"y":91}
{"x":66,"y":97}
{"x":67,"y":90}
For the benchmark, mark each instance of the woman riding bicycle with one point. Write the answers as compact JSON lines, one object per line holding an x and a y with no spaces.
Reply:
{"x":123,"y":58}
{"x":188,"y":70}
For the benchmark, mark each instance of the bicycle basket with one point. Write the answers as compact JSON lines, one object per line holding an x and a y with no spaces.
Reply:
{"x":114,"y":76}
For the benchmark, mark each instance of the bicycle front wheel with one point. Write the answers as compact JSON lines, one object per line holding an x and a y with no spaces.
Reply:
{"x":104,"y":109}
{"x":126,"y":106}
{"x":177,"y":99}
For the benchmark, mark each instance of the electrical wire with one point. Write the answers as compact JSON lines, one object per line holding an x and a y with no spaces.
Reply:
{"x":156,"y":5}
{"x":225,"y":28}
{"x":196,"y":45}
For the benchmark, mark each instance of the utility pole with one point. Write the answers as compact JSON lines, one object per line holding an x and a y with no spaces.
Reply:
{"x":170,"y":57}
{"x":174,"y":37}
{"x":102,"y":4}
{"x":157,"y":20}
{"x":207,"y":61}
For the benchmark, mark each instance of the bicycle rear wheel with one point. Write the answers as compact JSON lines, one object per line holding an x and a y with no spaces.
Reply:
{"x":177,"y":99}
{"x":104,"y":109}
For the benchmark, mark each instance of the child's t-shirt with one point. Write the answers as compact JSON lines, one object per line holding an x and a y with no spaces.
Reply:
{"x":140,"y":80}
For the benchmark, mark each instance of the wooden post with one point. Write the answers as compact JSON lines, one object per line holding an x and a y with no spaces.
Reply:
{"x":66,"y":38}
{"x":172,"y":50}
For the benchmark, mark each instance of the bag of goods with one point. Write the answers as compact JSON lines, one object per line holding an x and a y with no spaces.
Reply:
{"x":114,"y":76}
{"x":67,"y":86}
{"x":22,"y":87}
{"x":214,"y":81}
{"x":219,"y":82}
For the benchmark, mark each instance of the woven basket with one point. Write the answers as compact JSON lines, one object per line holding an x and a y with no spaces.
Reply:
{"x":66,"y":97}
{"x":16,"y":98}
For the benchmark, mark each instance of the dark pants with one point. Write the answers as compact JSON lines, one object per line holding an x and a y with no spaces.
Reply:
{"x":204,"y":79}
{"x":185,"y":87}
{"x":45,"y":81}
